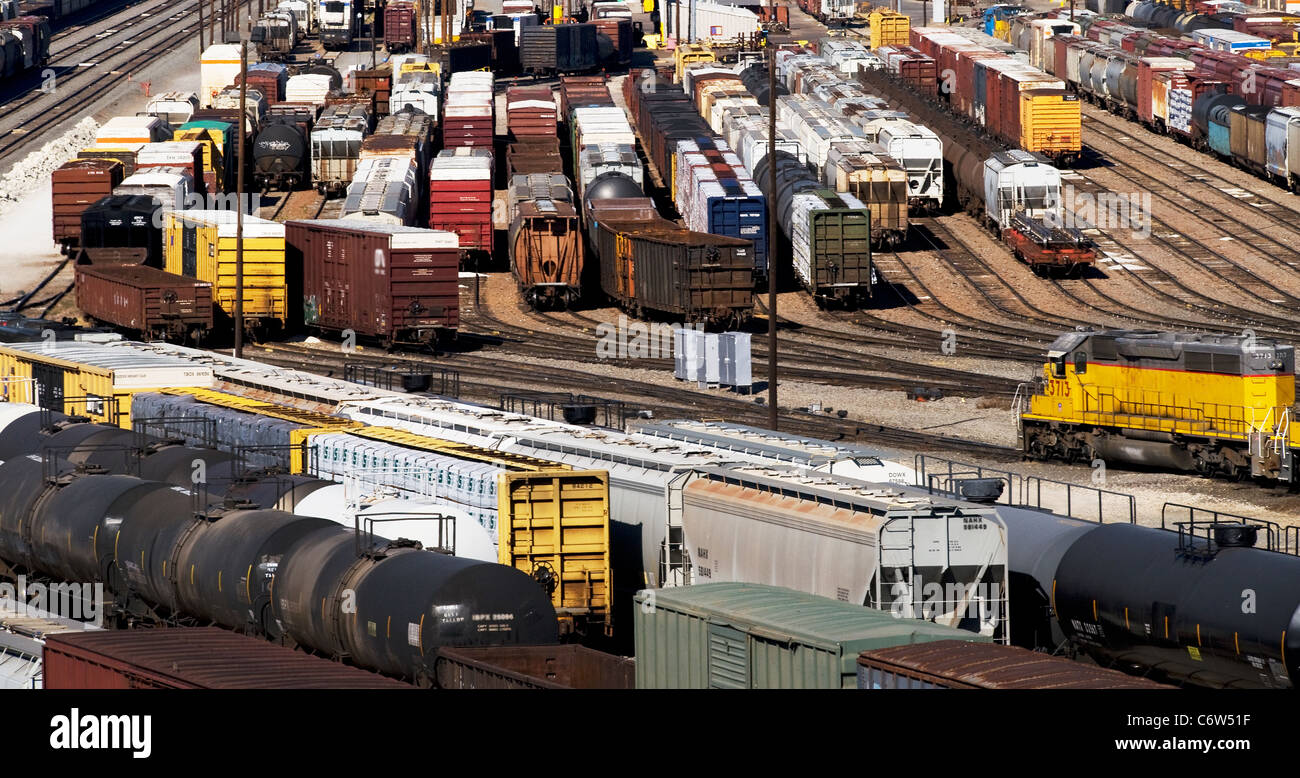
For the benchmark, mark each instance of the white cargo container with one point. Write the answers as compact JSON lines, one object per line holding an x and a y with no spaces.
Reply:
{"x":132,"y":129}
{"x":172,"y":187}
{"x":1017,"y":181}
{"x":1282,"y":143}
{"x":219,"y":68}
{"x":175,"y":108}
{"x":307,"y":88}
{"x":712,"y":21}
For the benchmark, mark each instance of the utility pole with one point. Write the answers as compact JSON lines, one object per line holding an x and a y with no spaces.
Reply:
{"x":677,"y":22}
{"x":374,"y":17}
{"x":239,"y":199}
{"x":212,"y":19}
{"x":772,"y":420}
{"x":201,"y":45}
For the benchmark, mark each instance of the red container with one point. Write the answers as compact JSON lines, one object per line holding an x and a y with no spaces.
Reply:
{"x":75,"y":186}
{"x":191,"y":658}
{"x":146,"y":301}
{"x":399,"y":26}
{"x":398,"y":284}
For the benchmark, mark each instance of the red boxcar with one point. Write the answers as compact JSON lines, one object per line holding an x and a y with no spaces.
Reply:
{"x":146,"y":301}
{"x":399,"y":26}
{"x":398,"y":284}
{"x":77,"y":185}
{"x":460,"y":196}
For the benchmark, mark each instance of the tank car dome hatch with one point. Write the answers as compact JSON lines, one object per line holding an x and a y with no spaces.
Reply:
{"x":608,"y":186}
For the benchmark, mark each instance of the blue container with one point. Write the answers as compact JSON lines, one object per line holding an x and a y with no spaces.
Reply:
{"x":1218,"y":137}
{"x":738,"y":215}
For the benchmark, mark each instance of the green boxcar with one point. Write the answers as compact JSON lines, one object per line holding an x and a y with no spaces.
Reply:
{"x":749,"y":636}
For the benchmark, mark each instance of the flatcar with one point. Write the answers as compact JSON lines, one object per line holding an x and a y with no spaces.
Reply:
{"x":395,"y":283}
{"x":651,"y":265}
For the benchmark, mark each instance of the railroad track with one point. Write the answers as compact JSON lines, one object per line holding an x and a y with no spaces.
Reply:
{"x":1202,"y":254}
{"x":37,"y":112}
{"x":856,"y":369}
{"x":488,"y":377}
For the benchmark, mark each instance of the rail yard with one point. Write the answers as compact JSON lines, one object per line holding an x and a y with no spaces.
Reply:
{"x":381,"y":344}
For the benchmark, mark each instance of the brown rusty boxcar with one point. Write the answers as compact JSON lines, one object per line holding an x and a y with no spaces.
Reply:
{"x":398,"y":284}
{"x":649,"y":264}
{"x":533,"y":667}
{"x":146,"y":301}
{"x":192,"y":658}
{"x":958,"y":664}
{"x":75,"y":186}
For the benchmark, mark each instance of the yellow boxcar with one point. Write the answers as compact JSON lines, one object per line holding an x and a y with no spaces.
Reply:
{"x":1051,"y":123}
{"x":889,"y":28}
{"x":91,"y":379}
{"x":213,"y":162}
{"x":555,"y":527}
{"x":201,"y":244}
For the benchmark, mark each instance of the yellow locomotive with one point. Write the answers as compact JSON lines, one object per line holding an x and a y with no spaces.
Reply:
{"x":1213,"y":404}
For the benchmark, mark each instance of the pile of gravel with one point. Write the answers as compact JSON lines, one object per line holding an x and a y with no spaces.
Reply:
{"x":34,"y":170}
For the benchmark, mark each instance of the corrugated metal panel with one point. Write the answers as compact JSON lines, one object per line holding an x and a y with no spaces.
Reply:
{"x":728,"y":658}
{"x":792,"y":639}
{"x":195,"y":658}
{"x":962,"y":665}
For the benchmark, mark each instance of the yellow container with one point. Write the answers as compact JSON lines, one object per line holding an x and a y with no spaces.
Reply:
{"x":212,"y":159}
{"x":1051,"y":123}
{"x":647,"y":6}
{"x":889,"y":28}
{"x":555,"y":528}
{"x":201,"y":244}
{"x":95,"y":380}
{"x":689,"y":54}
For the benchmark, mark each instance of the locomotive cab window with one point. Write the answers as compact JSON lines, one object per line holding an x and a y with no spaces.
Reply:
{"x":1058,"y":366}
{"x":1080,"y":361}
